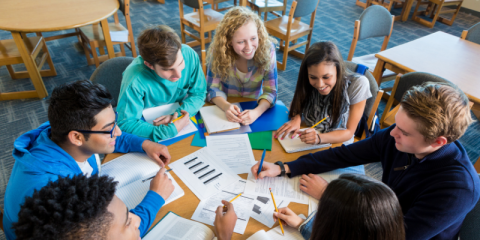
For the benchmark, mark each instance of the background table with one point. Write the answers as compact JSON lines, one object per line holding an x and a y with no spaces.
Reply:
{"x":21,"y":17}
{"x":439,"y":53}
{"x":186,"y":205}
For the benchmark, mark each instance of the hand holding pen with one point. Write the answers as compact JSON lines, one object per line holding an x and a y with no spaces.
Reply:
{"x":161,"y":184}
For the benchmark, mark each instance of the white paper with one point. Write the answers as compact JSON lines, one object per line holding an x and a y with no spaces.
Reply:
{"x":186,"y":130}
{"x":243,"y":205}
{"x":196,"y":179}
{"x":119,"y":36}
{"x":276,"y":233}
{"x":153,"y":113}
{"x":263,"y":209}
{"x":173,"y":227}
{"x":215,"y":120}
{"x":234,"y":150}
{"x":130,"y":170}
{"x":282,"y":188}
{"x":296,"y":145}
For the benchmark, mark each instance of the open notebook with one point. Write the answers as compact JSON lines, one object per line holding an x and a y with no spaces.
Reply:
{"x":130,"y":170}
{"x":276,"y":233}
{"x":175,"y":227}
{"x":296,"y":145}
{"x":216,"y":121}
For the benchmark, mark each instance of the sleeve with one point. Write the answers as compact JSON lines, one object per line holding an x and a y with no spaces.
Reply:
{"x":214,"y":86}
{"x":270,"y":81}
{"x":197,"y":88}
{"x":359,"y":90}
{"x":307,"y":226}
{"x":127,"y":142}
{"x":130,"y":106}
{"x":362,"y":152}
{"x":147,"y":210}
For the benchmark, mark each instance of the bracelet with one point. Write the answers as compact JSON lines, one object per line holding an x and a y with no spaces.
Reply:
{"x":319,"y":139}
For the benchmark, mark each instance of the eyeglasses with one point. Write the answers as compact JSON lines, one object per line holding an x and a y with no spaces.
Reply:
{"x":111,"y":132}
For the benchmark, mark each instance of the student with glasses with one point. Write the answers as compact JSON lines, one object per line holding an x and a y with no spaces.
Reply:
{"x":82,"y":123}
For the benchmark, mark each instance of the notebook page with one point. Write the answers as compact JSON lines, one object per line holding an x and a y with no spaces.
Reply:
{"x":151,"y":114}
{"x":186,"y":130}
{"x":260,"y":235}
{"x":174,"y":227}
{"x":296,"y":145}
{"x":130,"y":168}
{"x":215,"y":120}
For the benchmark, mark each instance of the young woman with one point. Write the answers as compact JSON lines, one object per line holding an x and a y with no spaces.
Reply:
{"x":325,"y":89}
{"x":352,"y":207}
{"x":242,"y":63}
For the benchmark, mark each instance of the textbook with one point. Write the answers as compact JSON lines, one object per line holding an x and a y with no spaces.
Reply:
{"x":296,"y":145}
{"x":175,"y":227}
{"x":276,"y":233}
{"x":215,"y":120}
{"x":130,"y":170}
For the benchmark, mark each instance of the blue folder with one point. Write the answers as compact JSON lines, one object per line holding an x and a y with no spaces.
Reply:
{"x":271,"y":120}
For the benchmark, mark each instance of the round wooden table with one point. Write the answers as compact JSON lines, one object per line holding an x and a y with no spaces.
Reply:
{"x":21,"y":17}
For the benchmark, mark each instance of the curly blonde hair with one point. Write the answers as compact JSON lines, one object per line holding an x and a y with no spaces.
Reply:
{"x":221,"y":56}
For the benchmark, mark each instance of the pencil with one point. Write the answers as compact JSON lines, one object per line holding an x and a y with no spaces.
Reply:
{"x":276,"y":210}
{"x":261,"y":162}
{"x":177,"y":119}
{"x":236,"y":197}
{"x":154,"y":176}
{"x":319,"y":122}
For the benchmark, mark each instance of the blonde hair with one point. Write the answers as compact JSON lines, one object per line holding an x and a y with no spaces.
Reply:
{"x":221,"y":55}
{"x":440,"y":109}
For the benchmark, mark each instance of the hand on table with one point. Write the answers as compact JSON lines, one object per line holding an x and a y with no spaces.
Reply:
{"x":182,"y":122}
{"x":162,"y":185}
{"x":225,"y":223}
{"x":157,"y":152}
{"x":313,"y":185}
{"x":249,"y":116}
{"x":309,"y":136}
{"x":288,"y":217}
{"x":268,"y":170}
{"x":232,"y":113}
{"x":292,"y":126}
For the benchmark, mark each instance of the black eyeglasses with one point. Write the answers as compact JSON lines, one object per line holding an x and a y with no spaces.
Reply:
{"x":111,"y":132}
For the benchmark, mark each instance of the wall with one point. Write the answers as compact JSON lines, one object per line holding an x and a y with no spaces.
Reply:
{"x":472,"y":5}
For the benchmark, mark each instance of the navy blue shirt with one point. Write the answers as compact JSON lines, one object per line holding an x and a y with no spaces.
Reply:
{"x":435,"y":192}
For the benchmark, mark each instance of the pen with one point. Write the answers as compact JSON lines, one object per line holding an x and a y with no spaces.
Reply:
{"x":144,"y":180}
{"x":261,"y":162}
{"x":276,"y":210}
{"x":200,"y":169}
{"x":187,"y":162}
{"x":195,"y":165}
{"x":177,"y":119}
{"x":213,"y":178}
{"x":206,"y":174}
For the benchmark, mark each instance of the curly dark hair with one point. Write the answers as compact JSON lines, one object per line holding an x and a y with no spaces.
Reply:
{"x":69,"y":208}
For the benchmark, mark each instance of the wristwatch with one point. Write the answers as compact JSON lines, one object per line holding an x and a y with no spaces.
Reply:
{"x":282,"y":168}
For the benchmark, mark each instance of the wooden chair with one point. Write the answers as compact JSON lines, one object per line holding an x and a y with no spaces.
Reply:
{"x":10,"y":55}
{"x":375,"y":21}
{"x":434,"y":7}
{"x":203,"y":21}
{"x":290,"y":29}
{"x":472,"y":34}
{"x":91,"y":37}
{"x":266,"y":6}
{"x":388,"y":4}
{"x":401,"y":85}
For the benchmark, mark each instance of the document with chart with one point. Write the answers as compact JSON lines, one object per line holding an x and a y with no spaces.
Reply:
{"x":204,"y":173}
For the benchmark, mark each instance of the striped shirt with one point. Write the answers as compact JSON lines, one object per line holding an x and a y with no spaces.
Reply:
{"x":257,"y":83}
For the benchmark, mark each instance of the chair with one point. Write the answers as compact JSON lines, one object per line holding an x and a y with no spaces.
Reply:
{"x":375,"y":21}
{"x":290,"y":29}
{"x":472,"y":34}
{"x":92,"y":37}
{"x":266,"y":6}
{"x":10,"y":55}
{"x":202,"y":21}
{"x":372,"y":103}
{"x":434,"y":7}
{"x":109,"y":74}
{"x":470,"y":229}
{"x":389,"y":4}
{"x":402,"y":84}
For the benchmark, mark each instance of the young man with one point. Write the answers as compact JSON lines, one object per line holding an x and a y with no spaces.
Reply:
{"x":70,"y":209}
{"x":82,"y":123}
{"x":165,"y":72}
{"x":423,"y":163}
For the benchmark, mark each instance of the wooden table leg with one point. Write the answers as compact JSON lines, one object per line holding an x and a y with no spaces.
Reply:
{"x":407,"y":9}
{"x":378,"y":72}
{"x":31,"y":66}
{"x":108,"y":39}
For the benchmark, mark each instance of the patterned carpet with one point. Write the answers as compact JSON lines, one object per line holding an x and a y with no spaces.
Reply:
{"x":334,"y":22}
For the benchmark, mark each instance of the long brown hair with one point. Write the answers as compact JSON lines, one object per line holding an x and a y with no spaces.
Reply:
{"x":317,"y":53}
{"x":358,"y":207}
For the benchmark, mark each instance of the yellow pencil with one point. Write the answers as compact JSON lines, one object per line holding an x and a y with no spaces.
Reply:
{"x":177,"y":119}
{"x":236,"y":197}
{"x":319,"y":122}
{"x":276,"y":210}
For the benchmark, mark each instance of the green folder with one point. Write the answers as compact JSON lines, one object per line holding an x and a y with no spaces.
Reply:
{"x":261,"y":140}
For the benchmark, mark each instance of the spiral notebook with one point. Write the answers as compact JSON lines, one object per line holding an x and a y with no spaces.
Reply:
{"x":296,"y":145}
